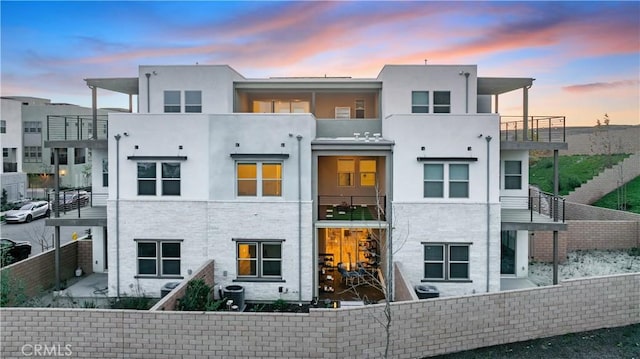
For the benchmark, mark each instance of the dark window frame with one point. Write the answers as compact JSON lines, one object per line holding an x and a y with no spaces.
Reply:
{"x":447,"y":262}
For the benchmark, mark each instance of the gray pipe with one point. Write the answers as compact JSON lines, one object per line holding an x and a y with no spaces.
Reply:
{"x":117,"y":137}
{"x":299,"y":138}
{"x":466,"y":75}
{"x":488,"y":138}
{"x":148,"y":75}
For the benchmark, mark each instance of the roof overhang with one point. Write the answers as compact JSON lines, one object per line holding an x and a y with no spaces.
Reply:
{"x":500,"y":85}
{"x":126,"y":85}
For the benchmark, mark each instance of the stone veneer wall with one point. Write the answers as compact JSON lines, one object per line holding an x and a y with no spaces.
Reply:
{"x":419,"y":328}
{"x":585,"y":235}
{"x":38,"y":273}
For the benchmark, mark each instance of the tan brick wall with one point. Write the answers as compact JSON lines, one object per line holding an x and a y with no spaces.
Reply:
{"x":169,"y":302}
{"x":585,"y":235}
{"x":38,"y":273}
{"x":419,"y":328}
{"x":578,"y":212}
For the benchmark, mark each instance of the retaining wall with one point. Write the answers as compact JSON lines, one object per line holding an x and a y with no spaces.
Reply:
{"x":169,"y":302}
{"x":418,"y":328}
{"x":584,"y":235}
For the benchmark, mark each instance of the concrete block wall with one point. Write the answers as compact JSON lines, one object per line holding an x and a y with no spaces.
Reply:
{"x":38,"y":273}
{"x":419,"y":328}
{"x":577,"y":211}
{"x":585,"y":235}
{"x":169,"y":302}
{"x":606,"y":181}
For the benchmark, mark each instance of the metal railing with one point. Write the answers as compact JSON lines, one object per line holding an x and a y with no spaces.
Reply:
{"x":351,"y":208}
{"x":72,"y":200}
{"x":539,"y":129}
{"x":75,"y":128}
{"x":541,"y":203}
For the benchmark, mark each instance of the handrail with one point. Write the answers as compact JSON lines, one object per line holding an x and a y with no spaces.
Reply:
{"x":352,"y":208}
{"x":75,"y":199}
{"x":542,"y":203}
{"x":540,"y":128}
{"x":75,"y":127}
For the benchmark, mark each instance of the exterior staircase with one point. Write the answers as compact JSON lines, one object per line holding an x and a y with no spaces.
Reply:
{"x":607,"y":181}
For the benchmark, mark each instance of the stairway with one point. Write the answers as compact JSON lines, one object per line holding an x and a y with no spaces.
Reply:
{"x":607,"y":181}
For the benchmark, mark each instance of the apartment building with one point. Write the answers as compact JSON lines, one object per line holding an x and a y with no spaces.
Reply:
{"x":14,"y":181}
{"x":281,"y":181}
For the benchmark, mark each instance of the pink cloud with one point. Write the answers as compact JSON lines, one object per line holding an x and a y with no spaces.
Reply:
{"x":597,"y":86}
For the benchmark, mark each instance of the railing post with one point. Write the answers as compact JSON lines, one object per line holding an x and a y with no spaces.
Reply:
{"x":78,"y":201}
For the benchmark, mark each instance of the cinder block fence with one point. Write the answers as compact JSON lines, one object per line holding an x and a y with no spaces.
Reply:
{"x":419,"y":328}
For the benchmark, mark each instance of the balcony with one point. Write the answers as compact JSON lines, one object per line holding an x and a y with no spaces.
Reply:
{"x":76,"y":131}
{"x":78,"y":207}
{"x":537,"y":132}
{"x":351,"y":208}
{"x":538,"y":211}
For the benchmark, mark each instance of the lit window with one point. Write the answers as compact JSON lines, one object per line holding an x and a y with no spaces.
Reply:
{"x":446,"y":262}
{"x":193,"y":101}
{"x":441,"y":102}
{"x":512,"y":175}
{"x":259,"y":259}
{"x":367,"y":173}
{"x":346,"y":172}
{"x":420,"y":102}
{"x":259,"y":179}
{"x":172,"y":101}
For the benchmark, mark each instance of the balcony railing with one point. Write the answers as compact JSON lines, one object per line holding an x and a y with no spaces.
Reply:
{"x":75,"y":128}
{"x":351,"y":208}
{"x":539,"y":129}
{"x":77,"y":200}
{"x":537,"y":203}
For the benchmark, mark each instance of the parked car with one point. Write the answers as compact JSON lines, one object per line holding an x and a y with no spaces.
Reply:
{"x":13,"y":251}
{"x":28,"y":212}
{"x":72,"y":199}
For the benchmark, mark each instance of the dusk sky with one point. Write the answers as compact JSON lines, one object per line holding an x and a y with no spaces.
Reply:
{"x":585,"y":56}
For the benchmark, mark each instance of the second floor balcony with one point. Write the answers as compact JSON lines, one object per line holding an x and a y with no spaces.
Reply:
{"x":536,"y":132}
{"x":351,"y":208}
{"x":537,"y":211}
{"x":78,"y":207}
{"x":76,"y":131}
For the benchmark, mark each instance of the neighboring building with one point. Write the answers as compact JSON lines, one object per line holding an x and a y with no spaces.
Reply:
{"x":38,"y":116}
{"x":274,"y":178}
{"x":14,"y":181}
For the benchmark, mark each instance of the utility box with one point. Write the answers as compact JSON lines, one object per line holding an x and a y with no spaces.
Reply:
{"x":427,"y":291}
{"x":168,"y":287}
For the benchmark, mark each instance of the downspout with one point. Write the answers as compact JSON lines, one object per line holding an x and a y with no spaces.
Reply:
{"x":488,"y":138}
{"x":94,"y":112}
{"x":56,"y":163}
{"x":466,"y":76}
{"x":117,"y":137}
{"x":299,"y":138}
{"x":148,"y":75}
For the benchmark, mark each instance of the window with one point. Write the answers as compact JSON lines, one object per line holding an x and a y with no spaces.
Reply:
{"x":5,"y":152}
{"x":3,"y":126}
{"x":62,"y":156}
{"x":172,"y":101}
{"x":367,"y":173}
{"x":458,"y":181}
{"x":259,"y":259}
{"x":346,"y":172}
{"x":105,"y":172}
{"x":441,"y":102}
{"x":146,"y":179}
{"x":32,"y":127}
{"x":280,"y":106}
{"x":79,"y":155}
{"x":258,"y":179}
{"x":32,"y":153}
{"x":446,"y":261}
{"x":433,"y":180}
{"x":420,"y":102}
{"x":359,"y":108}
{"x":170,"y":179}
{"x":512,"y":175}
{"x":192,"y":101}
{"x":158,"y":258}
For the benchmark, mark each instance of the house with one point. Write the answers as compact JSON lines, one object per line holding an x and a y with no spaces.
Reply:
{"x":412,"y":175}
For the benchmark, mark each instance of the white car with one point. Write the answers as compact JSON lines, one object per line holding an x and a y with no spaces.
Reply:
{"x":28,"y":212}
